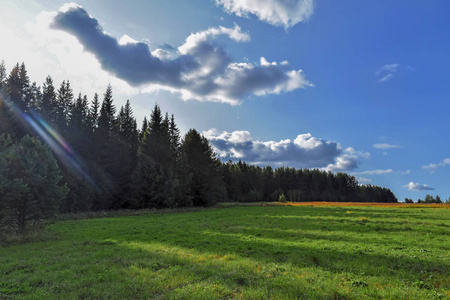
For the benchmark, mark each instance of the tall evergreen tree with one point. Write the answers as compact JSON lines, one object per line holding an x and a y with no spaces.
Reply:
{"x":47,"y":104}
{"x":154,"y":175}
{"x":107,"y":121}
{"x":3,"y":75}
{"x":144,"y":129}
{"x":204,"y":169}
{"x":32,"y":189}
{"x":63,"y":105}
{"x":94,"y":113}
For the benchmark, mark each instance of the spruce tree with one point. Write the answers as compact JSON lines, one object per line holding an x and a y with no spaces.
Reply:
{"x":3,"y":75}
{"x":154,"y":175}
{"x":30,"y":180}
{"x":63,"y":106}
{"x":94,"y":113}
{"x":204,"y":169}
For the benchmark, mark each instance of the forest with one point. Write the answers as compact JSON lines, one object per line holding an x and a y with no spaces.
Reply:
{"x":61,"y":152}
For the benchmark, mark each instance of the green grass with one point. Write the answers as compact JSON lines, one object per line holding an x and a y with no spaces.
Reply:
{"x":266,"y":252}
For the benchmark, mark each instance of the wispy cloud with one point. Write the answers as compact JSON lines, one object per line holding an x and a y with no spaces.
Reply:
{"x":200,"y":69}
{"x":303,"y":151}
{"x":374,"y":172}
{"x":433,"y":167}
{"x":386,"y":72}
{"x":275,"y":12}
{"x":418,"y":187}
{"x":386,"y":146}
{"x":363,"y":179}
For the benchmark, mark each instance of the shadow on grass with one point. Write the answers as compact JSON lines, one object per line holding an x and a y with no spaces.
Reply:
{"x":178,"y":255}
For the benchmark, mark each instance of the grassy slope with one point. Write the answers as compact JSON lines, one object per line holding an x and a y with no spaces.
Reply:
{"x":240,"y":252}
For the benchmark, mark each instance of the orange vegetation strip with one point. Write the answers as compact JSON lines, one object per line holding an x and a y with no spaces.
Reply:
{"x":373,"y":204}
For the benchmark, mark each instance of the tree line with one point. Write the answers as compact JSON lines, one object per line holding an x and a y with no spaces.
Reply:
{"x":429,"y":199}
{"x":61,"y":152}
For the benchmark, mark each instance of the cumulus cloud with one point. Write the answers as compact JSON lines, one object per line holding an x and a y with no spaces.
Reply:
{"x":200,"y":69}
{"x":433,"y":167}
{"x":386,"y":146}
{"x":418,"y":187}
{"x":303,"y":151}
{"x":52,"y":52}
{"x":285,"y":13}
{"x":348,"y":160}
{"x":386,"y":72}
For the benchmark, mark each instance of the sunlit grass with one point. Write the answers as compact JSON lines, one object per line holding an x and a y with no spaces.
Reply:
{"x":267,"y":252}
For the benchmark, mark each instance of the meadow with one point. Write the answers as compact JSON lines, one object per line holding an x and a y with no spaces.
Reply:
{"x":239,"y":252}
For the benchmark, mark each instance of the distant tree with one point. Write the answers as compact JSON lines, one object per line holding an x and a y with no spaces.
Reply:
{"x":30,"y":181}
{"x":107,"y":121}
{"x":3,"y":75}
{"x":429,"y":199}
{"x":63,"y":105}
{"x":47,"y":104}
{"x":408,"y":200}
{"x":94,"y":113}
{"x":438,"y":199}
{"x":144,"y":129}
{"x":282,"y":198}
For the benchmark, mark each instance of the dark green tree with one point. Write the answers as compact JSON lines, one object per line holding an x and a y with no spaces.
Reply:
{"x":154,"y":176}
{"x":30,"y":185}
{"x":94,"y":113}
{"x":204,"y":169}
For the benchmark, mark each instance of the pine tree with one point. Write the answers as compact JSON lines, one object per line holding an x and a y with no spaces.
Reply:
{"x":63,"y":105}
{"x":127,"y":147}
{"x":154,"y":175}
{"x":3,"y":75}
{"x":107,"y":121}
{"x":94,"y":113}
{"x":204,"y":169}
{"x":31,"y":188}
{"x":47,"y":104}
{"x":144,"y":129}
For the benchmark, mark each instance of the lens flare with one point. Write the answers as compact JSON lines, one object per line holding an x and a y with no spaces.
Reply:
{"x":62,"y":150}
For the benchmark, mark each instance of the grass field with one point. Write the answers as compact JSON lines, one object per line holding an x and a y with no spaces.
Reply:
{"x":254,"y":252}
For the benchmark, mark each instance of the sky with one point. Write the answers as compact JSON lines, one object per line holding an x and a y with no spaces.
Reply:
{"x":347,"y":86}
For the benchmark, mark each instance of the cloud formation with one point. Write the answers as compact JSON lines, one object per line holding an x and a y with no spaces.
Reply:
{"x":285,"y":13}
{"x":386,"y":72}
{"x":374,"y":172}
{"x":200,"y":69}
{"x":433,"y":167}
{"x":386,"y":146}
{"x":418,"y":187}
{"x":304,"y":151}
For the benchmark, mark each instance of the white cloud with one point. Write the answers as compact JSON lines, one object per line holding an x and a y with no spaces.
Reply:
{"x":285,"y":13}
{"x":386,"y":72}
{"x":386,"y":146}
{"x":386,"y":78}
{"x":55,"y":53}
{"x":433,"y":167}
{"x":363,"y":180}
{"x":303,"y":151}
{"x":201,"y":69}
{"x":418,"y":187}
{"x":348,"y":160}
{"x":388,"y":68}
{"x":374,"y":172}
{"x":195,"y":39}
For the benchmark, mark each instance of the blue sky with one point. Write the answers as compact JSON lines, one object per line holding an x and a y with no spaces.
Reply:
{"x":354,"y":86}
